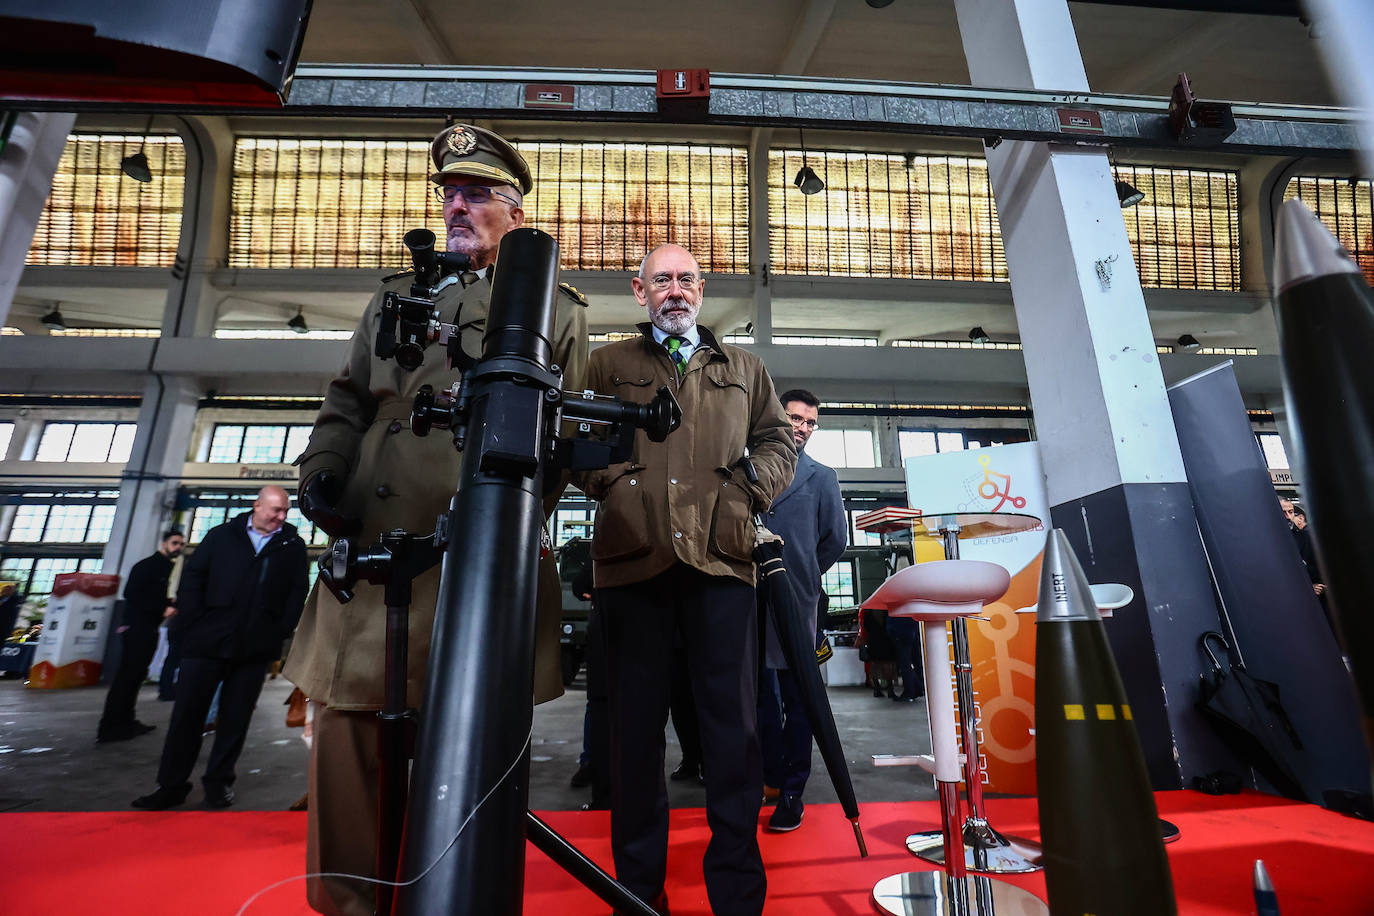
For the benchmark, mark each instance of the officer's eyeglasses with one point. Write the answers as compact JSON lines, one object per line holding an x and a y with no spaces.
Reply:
{"x":802,"y":421}
{"x":473,"y":194}
{"x":685,"y":281}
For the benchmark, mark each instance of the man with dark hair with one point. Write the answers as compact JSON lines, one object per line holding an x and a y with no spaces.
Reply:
{"x":672,"y":558}
{"x":145,"y":606}
{"x":240,"y":597}
{"x":809,"y":516}
{"x":364,"y":473}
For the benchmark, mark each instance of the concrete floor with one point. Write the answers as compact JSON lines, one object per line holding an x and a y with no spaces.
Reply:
{"x":50,"y":761}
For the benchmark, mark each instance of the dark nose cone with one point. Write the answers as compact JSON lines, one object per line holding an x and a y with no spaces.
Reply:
{"x":1064,"y":590}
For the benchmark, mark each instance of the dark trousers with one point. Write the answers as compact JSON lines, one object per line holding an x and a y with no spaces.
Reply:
{"x":195,"y":688}
{"x":598,"y":729}
{"x":906,"y":640}
{"x":683,"y":709}
{"x":784,"y":733}
{"x":167,"y":678}
{"x":715,"y":618}
{"x":139,"y":647}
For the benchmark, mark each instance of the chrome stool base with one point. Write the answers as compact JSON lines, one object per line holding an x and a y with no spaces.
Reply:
{"x":932,"y":893}
{"x":985,"y":850}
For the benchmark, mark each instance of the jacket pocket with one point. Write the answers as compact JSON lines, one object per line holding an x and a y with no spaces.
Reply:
{"x":622,"y":526}
{"x":732,"y":528}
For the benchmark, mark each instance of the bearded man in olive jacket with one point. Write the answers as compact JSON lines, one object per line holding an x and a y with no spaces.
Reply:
{"x":672,"y":555}
{"x":364,"y":473}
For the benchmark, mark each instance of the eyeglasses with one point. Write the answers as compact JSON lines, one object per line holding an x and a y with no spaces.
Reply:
{"x":802,"y":421}
{"x":473,"y":194}
{"x":685,"y":281}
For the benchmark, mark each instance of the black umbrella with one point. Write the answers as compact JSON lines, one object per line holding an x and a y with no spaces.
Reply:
{"x":798,"y":640}
{"x":1248,"y":715}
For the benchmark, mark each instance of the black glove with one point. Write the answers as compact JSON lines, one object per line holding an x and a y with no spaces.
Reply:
{"x":319,"y":503}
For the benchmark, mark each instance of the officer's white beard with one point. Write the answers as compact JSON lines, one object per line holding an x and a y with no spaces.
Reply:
{"x":675,"y":315}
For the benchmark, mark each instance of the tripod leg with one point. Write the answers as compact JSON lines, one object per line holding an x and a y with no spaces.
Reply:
{"x":569,"y":858}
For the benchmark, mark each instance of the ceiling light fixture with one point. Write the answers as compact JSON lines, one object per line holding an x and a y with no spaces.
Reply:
{"x":54,"y":321}
{"x":807,"y":181}
{"x":298,"y":324}
{"x":136,"y":166}
{"x":979,"y":336}
{"x":1127,"y":194}
{"x":1189,"y":343}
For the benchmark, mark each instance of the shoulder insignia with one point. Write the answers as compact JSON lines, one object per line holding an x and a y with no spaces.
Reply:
{"x":396,"y":276}
{"x":573,"y":293}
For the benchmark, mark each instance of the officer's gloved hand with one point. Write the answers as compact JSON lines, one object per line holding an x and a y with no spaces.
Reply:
{"x":319,"y":503}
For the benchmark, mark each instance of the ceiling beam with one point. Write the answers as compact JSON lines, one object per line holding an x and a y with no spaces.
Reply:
{"x":427,"y":40}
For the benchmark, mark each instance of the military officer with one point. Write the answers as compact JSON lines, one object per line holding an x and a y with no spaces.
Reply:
{"x":364,"y":473}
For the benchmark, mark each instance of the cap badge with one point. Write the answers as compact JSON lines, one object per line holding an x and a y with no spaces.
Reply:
{"x":461,"y":141}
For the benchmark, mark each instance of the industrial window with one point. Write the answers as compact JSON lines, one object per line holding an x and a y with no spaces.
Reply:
{"x":235,"y":444}
{"x":1345,"y":206}
{"x":107,"y":332}
{"x":573,"y":523}
{"x":1185,"y":234}
{"x":915,"y":443}
{"x":328,"y":203}
{"x":859,"y":537}
{"x":608,"y":204}
{"x":933,"y":217}
{"x":35,"y":575}
{"x":842,"y":448}
{"x":956,"y":345}
{"x":98,"y":216}
{"x":347,"y":203}
{"x":62,"y":518}
{"x":838,"y":583}
{"x":106,"y":442}
{"x":878,"y":217}
{"x":1275,"y":456}
{"x":6,"y":433}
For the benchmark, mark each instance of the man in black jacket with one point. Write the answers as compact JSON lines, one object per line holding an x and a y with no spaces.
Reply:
{"x":145,"y":606}
{"x":240,"y":597}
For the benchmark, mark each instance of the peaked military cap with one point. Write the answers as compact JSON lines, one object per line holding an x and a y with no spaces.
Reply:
{"x":466,"y":150}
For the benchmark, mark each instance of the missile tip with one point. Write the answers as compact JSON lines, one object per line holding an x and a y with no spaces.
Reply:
{"x":1305,"y":249}
{"x":1064,"y":591}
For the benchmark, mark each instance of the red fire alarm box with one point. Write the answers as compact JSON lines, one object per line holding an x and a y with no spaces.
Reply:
{"x":684,"y":93}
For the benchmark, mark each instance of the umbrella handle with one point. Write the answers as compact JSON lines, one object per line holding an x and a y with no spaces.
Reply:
{"x":859,"y":838}
{"x":1207,"y":648}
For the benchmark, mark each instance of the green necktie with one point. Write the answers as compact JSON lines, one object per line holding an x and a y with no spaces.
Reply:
{"x":674,"y":345}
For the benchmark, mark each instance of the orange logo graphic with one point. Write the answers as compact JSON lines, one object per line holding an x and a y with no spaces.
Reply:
{"x":989,"y":488}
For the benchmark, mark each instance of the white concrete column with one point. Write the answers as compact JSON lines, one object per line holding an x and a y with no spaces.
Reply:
{"x":759,"y":251}
{"x":28,"y":162}
{"x":1113,"y":469}
{"x":147,"y":491}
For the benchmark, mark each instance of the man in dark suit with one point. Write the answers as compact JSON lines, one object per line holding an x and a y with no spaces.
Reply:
{"x":240,"y":597}
{"x":145,"y":606}
{"x":809,"y":515}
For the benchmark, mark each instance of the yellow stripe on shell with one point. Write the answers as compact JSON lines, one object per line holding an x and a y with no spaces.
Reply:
{"x":1074,"y":712}
{"x":1106,"y":712}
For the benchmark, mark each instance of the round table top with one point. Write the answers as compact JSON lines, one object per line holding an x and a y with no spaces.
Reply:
{"x":978,"y":524}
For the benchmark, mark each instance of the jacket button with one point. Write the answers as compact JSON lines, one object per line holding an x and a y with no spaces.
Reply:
{"x":633,"y":482}
{"x":383,"y":491}
{"x":677,"y":534}
{"x":395,"y":427}
{"x":672,"y":480}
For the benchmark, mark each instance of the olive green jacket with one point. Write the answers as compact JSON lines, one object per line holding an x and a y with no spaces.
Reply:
{"x":394,"y":479}
{"x":685,"y":499}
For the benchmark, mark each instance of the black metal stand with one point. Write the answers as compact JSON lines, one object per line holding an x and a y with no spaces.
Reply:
{"x":462,"y":846}
{"x":393,"y":563}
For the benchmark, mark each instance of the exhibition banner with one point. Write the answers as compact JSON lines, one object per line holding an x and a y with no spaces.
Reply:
{"x":75,"y":627}
{"x":1005,"y":478}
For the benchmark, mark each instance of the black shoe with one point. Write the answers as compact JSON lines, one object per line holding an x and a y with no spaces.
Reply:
{"x":908,"y":699}
{"x":877,"y":691}
{"x":162,"y":799}
{"x":686,"y":770}
{"x":583,"y":777}
{"x":218,"y":796}
{"x":787,"y":815}
{"x":143,"y":728}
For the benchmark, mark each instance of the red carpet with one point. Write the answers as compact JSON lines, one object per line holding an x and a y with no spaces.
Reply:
{"x":212,"y":863}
